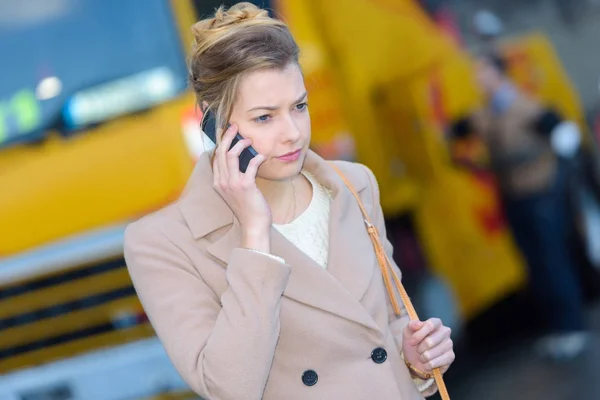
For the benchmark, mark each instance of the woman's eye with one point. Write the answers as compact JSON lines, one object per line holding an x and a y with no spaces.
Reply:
{"x":262,"y":118}
{"x":302,"y":106}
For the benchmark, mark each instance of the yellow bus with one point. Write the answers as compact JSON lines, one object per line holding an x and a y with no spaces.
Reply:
{"x":96,"y":128}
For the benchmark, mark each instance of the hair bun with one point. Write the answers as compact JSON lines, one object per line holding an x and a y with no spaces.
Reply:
{"x":225,"y":22}
{"x":238,"y":13}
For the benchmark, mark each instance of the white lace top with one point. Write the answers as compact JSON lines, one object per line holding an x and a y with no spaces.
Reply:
{"x":310,"y":230}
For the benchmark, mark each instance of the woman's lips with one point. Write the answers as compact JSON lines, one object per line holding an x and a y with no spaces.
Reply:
{"x":293,"y":156}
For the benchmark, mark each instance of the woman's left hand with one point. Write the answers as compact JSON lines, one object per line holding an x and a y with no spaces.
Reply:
{"x":427,"y":345}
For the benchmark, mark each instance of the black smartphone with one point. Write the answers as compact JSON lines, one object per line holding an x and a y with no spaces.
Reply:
{"x":209,"y":127}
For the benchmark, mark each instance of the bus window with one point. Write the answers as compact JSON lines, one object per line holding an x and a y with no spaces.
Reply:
{"x":55,"y":48}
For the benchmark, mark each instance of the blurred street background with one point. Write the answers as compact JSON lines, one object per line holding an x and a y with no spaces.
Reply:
{"x":496,"y":235}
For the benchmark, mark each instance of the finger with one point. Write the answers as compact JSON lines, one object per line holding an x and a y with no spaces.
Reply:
{"x":233,"y":158}
{"x":442,"y":362}
{"x":224,"y":149}
{"x":436,"y":351}
{"x":415,"y":325}
{"x":429,"y":326}
{"x":227,"y":138}
{"x":253,"y":165}
{"x":216,"y":173}
{"x":434,"y":339}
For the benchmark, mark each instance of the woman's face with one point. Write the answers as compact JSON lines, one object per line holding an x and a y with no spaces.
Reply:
{"x":271,"y":110}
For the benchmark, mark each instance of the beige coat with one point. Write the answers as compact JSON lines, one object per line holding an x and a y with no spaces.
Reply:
{"x":240,"y":325}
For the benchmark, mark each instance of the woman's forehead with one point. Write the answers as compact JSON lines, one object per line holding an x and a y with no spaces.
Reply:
{"x":271,"y":87}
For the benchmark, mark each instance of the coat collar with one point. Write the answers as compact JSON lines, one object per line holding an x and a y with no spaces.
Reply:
{"x":351,"y":260}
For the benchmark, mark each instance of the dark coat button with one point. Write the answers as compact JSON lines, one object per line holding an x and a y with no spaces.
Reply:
{"x":310,"y":377}
{"x":379,"y":355}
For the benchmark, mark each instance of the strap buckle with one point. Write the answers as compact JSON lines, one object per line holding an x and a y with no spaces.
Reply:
{"x":370,"y":226}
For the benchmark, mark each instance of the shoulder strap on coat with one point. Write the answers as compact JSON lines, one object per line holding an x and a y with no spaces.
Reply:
{"x":390,"y":276}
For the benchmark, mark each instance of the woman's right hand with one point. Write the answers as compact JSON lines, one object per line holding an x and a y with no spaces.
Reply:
{"x":240,"y":192}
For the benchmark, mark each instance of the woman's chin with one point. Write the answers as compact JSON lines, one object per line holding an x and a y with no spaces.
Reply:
{"x":278,"y":171}
{"x":281,"y":174}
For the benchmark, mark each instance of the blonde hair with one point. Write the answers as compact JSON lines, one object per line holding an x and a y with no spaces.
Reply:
{"x":232,"y":43}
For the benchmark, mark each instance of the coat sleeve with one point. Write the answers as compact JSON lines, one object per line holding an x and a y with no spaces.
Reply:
{"x":222,"y":347}
{"x":397,"y":322}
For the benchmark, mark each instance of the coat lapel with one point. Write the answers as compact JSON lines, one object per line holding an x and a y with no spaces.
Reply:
{"x":351,"y":262}
{"x":313,"y":285}
{"x":351,"y":259}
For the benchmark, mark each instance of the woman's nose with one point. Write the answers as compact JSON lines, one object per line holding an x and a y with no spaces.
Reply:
{"x":292,"y":130}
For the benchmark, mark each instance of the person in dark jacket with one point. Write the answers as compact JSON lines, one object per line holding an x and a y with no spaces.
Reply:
{"x":523,"y":137}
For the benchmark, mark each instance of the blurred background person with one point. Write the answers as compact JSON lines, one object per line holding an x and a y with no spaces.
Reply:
{"x":523,"y":138}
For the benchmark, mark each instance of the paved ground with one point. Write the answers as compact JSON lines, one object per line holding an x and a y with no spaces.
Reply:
{"x":509,"y":371}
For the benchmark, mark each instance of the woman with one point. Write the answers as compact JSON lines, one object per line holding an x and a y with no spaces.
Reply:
{"x":264,"y":284}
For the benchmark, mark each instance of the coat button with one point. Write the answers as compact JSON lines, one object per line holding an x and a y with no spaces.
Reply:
{"x":310,"y":377}
{"x":379,"y":355}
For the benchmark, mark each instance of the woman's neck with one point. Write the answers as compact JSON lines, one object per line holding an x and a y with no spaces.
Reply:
{"x":276,"y":192}
{"x":286,"y":198}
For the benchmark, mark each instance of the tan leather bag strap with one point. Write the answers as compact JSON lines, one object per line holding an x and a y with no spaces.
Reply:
{"x":390,"y":277}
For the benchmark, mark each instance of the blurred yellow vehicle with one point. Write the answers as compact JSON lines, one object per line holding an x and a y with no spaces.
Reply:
{"x":96,"y":129}
{"x":536,"y":68}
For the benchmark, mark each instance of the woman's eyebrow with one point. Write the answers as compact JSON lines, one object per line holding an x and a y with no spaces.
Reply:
{"x":273,"y":108}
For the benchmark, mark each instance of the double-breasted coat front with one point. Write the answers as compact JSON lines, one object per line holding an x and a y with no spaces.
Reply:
{"x":241,"y":325}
